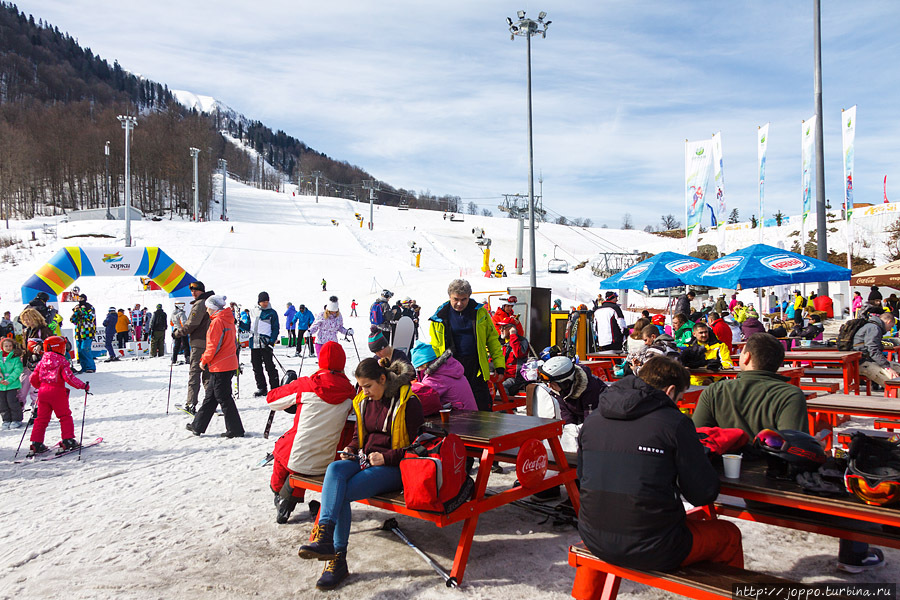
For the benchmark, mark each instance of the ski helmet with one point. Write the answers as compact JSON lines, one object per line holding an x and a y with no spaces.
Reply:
{"x":789,"y":452}
{"x":43,"y":296}
{"x":56,"y":344}
{"x":557,"y":369}
{"x":873,"y":469}
{"x":289,"y":376}
{"x":387,"y":294}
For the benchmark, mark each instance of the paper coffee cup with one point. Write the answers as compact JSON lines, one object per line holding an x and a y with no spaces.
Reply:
{"x":732,"y":464}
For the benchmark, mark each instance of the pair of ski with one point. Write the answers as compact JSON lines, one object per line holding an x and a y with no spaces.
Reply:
{"x":60,"y":453}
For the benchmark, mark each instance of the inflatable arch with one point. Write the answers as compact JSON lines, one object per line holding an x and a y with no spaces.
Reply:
{"x":73,"y":262}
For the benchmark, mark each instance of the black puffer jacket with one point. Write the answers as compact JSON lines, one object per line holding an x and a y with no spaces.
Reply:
{"x":636,"y":454}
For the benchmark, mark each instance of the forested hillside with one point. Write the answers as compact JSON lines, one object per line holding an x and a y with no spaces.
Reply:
{"x":58,"y":108}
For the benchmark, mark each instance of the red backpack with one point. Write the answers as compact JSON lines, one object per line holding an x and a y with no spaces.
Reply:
{"x":434,"y":473}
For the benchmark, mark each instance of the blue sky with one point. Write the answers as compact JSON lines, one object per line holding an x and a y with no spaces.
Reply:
{"x":431,"y":96}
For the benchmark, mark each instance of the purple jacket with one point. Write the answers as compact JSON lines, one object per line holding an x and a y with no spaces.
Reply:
{"x":446,"y":376}
{"x":752,"y":325}
{"x":326,"y":330}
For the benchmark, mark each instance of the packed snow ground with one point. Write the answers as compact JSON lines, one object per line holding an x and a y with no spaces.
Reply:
{"x":154,"y":512}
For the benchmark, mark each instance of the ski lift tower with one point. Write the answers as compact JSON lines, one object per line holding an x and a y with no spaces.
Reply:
{"x":516,"y":205}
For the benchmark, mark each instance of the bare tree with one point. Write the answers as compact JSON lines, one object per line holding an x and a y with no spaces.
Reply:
{"x":561,"y":220}
{"x":486,"y":212}
{"x":669,"y":222}
{"x":627,"y":223}
{"x":473,"y":208}
{"x":586,"y":222}
{"x":649,"y":228}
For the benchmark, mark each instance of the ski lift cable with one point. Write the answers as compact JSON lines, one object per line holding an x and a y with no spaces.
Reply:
{"x":609,"y":246}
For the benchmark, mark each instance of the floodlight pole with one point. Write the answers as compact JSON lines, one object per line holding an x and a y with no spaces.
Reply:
{"x":821,"y":224}
{"x":194,"y":153}
{"x":128,"y":123}
{"x":223,"y":164}
{"x":106,"y":182}
{"x":527,"y":28}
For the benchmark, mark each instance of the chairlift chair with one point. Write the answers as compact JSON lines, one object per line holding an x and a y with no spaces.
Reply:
{"x":557,"y":265}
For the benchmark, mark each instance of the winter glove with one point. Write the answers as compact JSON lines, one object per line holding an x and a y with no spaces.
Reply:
{"x":501,"y":371}
{"x":87,"y":387}
{"x":350,"y":332}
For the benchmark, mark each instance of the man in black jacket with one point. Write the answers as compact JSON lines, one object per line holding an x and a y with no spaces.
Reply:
{"x":158,"y":325}
{"x":683,"y":304}
{"x":637,"y":456}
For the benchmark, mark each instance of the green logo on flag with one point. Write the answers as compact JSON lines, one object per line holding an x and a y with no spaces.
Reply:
{"x":848,"y":123}
{"x":700,"y":152}
{"x":762,"y":140}
{"x":807,"y":131}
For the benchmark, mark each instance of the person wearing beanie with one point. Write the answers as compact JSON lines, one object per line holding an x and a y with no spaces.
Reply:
{"x":195,"y":327}
{"x":85,"y":321}
{"x":159,"y":322}
{"x":263,"y":334}
{"x":875,"y":296}
{"x":378,"y":345}
{"x":220,"y":359}
{"x":328,"y":323}
{"x":109,"y":329}
{"x":443,"y":374}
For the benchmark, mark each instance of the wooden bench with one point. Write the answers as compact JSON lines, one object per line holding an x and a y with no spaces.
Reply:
{"x":887,"y":424}
{"x":702,"y":580}
{"x":815,"y":386}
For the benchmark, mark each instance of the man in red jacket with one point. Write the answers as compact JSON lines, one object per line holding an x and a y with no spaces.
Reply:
{"x":721,"y":329}
{"x":505,"y":314}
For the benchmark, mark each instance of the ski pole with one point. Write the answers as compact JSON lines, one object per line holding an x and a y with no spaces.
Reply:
{"x":278,"y":361}
{"x":27,"y":425}
{"x":392,"y":525}
{"x":169,"y":395}
{"x":83,"y":411}
{"x":353,"y":337}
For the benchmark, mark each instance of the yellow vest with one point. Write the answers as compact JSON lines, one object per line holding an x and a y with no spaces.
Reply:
{"x":399,"y":434}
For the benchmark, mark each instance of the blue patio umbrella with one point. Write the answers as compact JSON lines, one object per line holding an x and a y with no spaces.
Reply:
{"x":664,"y":270}
{"x":760,"y":265}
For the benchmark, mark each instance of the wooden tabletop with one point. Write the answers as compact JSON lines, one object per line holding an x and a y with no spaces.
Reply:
{"x":753,"y":481}
{"x":877,"y":406}
{"x":479,"y":427}
{"x":820,"y":355}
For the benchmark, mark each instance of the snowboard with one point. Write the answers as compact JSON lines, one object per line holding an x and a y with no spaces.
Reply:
{"x":403,"y":335}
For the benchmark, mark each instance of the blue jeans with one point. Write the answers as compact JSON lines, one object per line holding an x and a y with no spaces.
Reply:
{"x":345,"y":482}
{"x":85,"y":357}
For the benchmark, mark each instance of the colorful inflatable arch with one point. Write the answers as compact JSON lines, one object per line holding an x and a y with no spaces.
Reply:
{"x":72,"y":262}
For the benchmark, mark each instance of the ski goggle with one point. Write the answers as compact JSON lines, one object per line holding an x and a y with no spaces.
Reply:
{"x":771,"y":439}
{"x":883,"y":492}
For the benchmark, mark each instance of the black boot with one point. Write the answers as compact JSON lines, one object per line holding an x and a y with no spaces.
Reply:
{"x":36,"y":448}
{"x":322,"y":545}
{"x":285,"y":508}
{"x":335,"y":572}
{"x":259,"y":393}
{"x":69,"y":444}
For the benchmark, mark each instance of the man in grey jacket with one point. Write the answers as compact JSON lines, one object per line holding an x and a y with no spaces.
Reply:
{"x":873,"y":364}
{"x":195,"y":327}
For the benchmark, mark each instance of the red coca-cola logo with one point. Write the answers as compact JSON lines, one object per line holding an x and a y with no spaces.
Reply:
{"x":531,"y":463}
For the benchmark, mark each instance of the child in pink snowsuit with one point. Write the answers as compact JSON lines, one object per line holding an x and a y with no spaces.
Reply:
{"x":50,"y":377}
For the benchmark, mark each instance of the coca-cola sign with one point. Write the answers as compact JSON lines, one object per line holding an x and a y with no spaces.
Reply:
{"x":724,"y":265}
{"x":680,"y":267}
{"x":531,"y":463}
{"x":634,"y":272}
{"x":786,"y":263}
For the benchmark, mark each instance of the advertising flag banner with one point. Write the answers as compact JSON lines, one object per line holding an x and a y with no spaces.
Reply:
{"x":807,"y":141}
{"x":721,"y":214}
{"x":848,"y":137}
{"x":762,"y":143}
{"x":697,"y":163}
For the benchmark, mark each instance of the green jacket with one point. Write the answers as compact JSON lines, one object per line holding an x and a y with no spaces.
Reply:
{"x":10,"y":370}
{"x":754,"y":401}
{"x":486,"y":338}
{"x":684,"y":334}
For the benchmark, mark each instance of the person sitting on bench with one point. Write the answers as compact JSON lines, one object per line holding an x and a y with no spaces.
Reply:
{"x":388,"y":415}
{"x":637,"y":456}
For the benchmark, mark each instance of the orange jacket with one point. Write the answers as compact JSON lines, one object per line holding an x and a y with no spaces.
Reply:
{"x":221,"y":345}
{"x":122,"y":323}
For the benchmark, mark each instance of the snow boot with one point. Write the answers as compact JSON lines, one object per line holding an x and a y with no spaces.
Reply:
{"x":190,"y":408}
{"x":190,"y":427}
{"x":36,"y":448}
{"x":69,"y":444}
{"x":259,"y":393}
{"x":7,"y":424}
{"x":285,"y":508}
{"x":322,"y":545}
{"x":335,"y":572}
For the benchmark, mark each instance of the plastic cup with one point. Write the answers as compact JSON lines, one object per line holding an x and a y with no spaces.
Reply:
{"x":732,"y":464}
{"x":445,"y":415}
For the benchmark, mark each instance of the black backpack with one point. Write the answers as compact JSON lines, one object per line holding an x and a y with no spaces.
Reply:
{"x":848,"y":332}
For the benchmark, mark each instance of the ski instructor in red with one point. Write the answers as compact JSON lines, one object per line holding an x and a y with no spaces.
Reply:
{"x":50,"y":376}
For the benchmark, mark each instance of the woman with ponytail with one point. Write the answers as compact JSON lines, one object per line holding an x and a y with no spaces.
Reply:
{"x":388,"y":415}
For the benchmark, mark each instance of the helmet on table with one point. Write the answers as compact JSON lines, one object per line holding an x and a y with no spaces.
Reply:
{"x":789,"y":452}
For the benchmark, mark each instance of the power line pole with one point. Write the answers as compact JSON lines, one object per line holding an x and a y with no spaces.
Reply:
{"x":372,"y":186}
{"x":128,"y":123}
{"x":528,"y":28}
{"x":821,"y":224}
{"x":317,"y":174}
{"x":194,"y":153}
{"x":223,"y":164}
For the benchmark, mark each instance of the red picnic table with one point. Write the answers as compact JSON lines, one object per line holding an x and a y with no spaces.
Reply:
{"x":847,"y":360}
{"x":486,"y":435}
{"x":792,"y":373}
